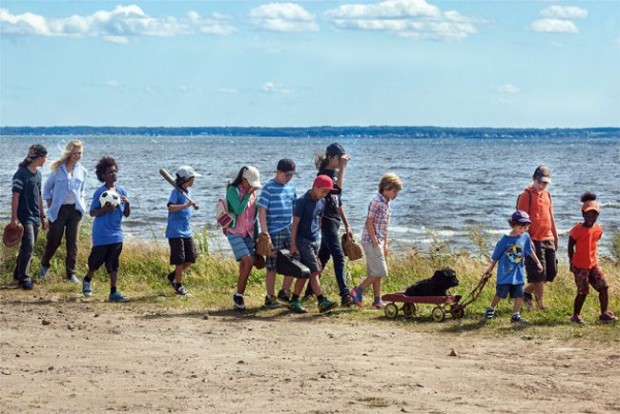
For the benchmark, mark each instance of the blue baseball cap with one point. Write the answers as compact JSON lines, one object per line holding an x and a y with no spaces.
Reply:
{"x":520,"y":217}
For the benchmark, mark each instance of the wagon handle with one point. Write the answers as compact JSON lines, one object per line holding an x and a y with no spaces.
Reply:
{"x":473,"y":295}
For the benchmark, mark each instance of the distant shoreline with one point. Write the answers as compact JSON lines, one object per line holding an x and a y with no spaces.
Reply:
{"x":321,"y":131}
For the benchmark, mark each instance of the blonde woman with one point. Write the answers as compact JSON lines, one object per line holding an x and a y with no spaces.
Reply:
{"x":64,"y":192}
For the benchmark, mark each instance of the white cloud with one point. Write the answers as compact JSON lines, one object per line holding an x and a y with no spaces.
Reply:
{"x":271,"y":87}
{"x":415,"y":19}
{"x":183,"y":88}
{"x":509,"y":88}
{"x":116,"y":26}
{"x":112,"y":83}
{"x":560,"y":12}
{"x":554,"y":26}
{"x":283,"y":17}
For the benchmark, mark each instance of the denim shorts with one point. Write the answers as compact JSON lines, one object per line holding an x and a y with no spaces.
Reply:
{"x":241,"y":246}
{"x":308,"y":251}
{"x":516,"y":291}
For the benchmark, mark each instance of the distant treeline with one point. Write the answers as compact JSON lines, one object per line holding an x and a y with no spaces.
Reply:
{"x":321,"y":131}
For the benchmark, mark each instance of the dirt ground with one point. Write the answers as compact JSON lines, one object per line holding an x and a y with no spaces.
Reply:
{"x":59,"y":357}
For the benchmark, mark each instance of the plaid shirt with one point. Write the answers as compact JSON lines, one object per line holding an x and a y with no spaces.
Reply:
{"x":379,"y":211}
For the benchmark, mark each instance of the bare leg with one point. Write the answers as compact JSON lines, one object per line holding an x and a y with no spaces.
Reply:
{"x":270,"y":282}
{"x":579,"y":301}
{"x":245,"y":268}
{"x":286,"y":283}
{"x":603,"y":297}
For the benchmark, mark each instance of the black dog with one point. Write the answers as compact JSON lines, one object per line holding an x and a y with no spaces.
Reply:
{"x":437,"y":285}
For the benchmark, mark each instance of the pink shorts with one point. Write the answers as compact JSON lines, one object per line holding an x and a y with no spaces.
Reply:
{"x":586,"y":277}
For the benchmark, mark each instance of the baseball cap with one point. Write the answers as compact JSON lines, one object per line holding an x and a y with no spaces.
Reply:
{"x":335,"y":149}
{"x":286,"y":165}
{"x":543,"y":173}
{"x":323,"y":181}
{"x":253,"y":176}
{"x":186,"y":172}
{"x":591,"y":205}
{"x":520,"y":217}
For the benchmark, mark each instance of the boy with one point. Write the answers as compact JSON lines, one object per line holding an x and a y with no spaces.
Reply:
{"x":305,"y":235}
{"x":178,"y":229}
{"x":27,"y":209}
{"x":510,"y":252}
{"x":582,"y":246}
{"x":107,"y":230}
{"x":275,"y":212}
{"x":535,"y":200}
{"x":375,"y":239}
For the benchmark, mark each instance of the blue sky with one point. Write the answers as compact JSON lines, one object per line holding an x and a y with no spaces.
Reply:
{"x":255,"y":63}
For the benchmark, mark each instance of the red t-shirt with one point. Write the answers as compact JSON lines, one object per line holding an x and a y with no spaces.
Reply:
{"x":538,"y":206}
{"x":586,"y":241}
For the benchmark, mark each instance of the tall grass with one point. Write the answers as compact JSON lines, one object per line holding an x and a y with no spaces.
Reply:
{"x":212,"y":281}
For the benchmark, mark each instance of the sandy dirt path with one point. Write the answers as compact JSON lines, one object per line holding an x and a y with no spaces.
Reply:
{"x":78,"y":358}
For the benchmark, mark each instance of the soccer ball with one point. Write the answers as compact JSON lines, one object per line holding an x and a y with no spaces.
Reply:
{"x":109,"y":197}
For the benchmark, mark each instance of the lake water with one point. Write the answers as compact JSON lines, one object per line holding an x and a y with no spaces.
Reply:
{"x":451,"y":184}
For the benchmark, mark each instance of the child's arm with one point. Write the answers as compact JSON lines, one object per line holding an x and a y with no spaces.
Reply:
{"x":554,"y":231}
{"x":48,"y":188}
{"x":14,"y":208}
{"x":173,"y":208}
{"x":370,"y":227}
{"x":294,"y":228}
{"x":343,"y":164}
{"x":347,"y":227}
{"x":44,"y":223}
{"x":103,"y":210}
{"x":571,"y":248}
{"x":535,"y":259}
{"x":489,"y":271}
{"x":127,"y":210}
{"x":262,"y":219}
{"x":232,"y":198}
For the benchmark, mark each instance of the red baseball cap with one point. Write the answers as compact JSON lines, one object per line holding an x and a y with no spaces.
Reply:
{"x":323,"y":181}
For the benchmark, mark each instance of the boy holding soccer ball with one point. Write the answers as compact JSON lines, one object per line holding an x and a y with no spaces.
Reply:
{"x":109,"y":206}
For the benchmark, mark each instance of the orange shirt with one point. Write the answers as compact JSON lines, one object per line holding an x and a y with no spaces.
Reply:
{"x":538,"y":206}
{"x":586,"y":241}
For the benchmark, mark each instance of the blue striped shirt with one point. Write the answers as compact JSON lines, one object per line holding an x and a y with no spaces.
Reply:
{"x":278,"y":199}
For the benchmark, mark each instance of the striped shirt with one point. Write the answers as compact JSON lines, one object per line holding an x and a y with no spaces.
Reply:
{"x":278,"y":200}
{"x":379,"y":212}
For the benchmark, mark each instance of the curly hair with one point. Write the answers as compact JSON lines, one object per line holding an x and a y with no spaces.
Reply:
{"x":103,"y":164}
{"x":390,"y":181}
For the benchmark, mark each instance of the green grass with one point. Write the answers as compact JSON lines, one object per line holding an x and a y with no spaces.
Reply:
{"x":212,"y":281}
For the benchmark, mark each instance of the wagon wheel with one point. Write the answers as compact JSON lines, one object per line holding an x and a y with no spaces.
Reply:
{"x":391,"y":310}
{"x":457,"y":312}
{"x":409,"y":309}
{"x":438,"y":314}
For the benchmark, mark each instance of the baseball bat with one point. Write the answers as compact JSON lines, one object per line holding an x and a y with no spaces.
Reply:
{"x":164,"y":173}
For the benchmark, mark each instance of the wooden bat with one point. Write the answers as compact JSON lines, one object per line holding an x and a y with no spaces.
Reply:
{"x":164,"y":173}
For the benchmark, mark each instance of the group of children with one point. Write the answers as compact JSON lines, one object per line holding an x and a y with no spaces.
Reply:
{"x":308,"y":227}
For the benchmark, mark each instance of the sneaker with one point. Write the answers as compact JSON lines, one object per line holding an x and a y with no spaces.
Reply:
{"x":356,"y":297}
{"x":528,"y":299}
{"x":577,"y":319}
{"x":489,"y":314}
{"x":73,"y":279}
{"x":284,"y":296}
{"x":117,"y":297}
{"x":345,"y":301}
{"x":326,"y":305}
{"x":271,"y":302}
{"x":607,"y":316}
{"x":86,"y":290}
{"x":295,"y":306}
{"x":43,"y":271}
{"x":239,"y":302}
{"x":378,"y":304}
{"x":26,"y":283}
{"x":516,"y":318}
{"x":180,"y":289}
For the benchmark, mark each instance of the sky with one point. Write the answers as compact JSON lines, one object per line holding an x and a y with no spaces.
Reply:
{"x":519,"y":63}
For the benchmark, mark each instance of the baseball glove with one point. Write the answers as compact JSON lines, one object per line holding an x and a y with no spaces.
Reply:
{"x":264,"y":246}
{"x":351,"y":249}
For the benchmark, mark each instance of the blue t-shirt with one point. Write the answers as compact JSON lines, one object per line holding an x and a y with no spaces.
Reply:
{"x":178,"y":222}
{"x":308,"y":210}
{"x":107,"y":227}
{"x":510,"y":253}
{"x":278,"y":200}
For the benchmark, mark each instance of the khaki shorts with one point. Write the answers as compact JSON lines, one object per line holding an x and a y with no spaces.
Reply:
{"x":375,"y":260}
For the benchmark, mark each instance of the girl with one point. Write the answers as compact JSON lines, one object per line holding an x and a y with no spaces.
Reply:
{"x":510,"y":252}
{"x":179,"y":231}
{"x":107,"y":229}
{"x":582,"y":246}
{"x":335,"y":158}
{"x":64,"y":191}
{"x":243,"y":231}
{"x":27,"y":209}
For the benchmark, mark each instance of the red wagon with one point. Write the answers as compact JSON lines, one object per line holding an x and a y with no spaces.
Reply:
{"x":454,"y":304}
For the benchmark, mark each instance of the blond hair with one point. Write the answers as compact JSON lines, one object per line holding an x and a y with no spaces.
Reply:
{"x":72,"y":145}
{"x":390,"y":181}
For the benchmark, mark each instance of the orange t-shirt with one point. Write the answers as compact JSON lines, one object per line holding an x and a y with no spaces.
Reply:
{"x":538,"y":206}
{"x":586,"y":241}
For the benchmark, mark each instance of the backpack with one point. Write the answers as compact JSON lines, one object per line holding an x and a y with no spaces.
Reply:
{"x":223,"y":217}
